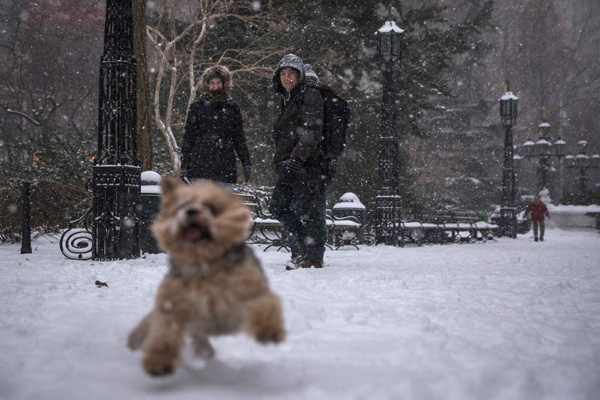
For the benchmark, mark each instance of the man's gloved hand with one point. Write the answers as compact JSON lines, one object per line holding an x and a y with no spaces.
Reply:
{"x":247,"y":173}
{"x":331,"y":170}
{"x":294,"y":167}
{"x":280,"y":168}
{"x":184,"y":174}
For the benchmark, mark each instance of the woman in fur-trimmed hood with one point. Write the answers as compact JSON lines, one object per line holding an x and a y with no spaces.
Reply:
{"x":214,"y":132}
{"x":220,"y":71}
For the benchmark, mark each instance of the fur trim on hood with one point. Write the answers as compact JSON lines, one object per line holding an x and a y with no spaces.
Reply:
{"x":221,"y":71}
{"x":292,"y":61}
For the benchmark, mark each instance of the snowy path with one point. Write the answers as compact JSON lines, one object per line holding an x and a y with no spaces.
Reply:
{"x":509,"y":319}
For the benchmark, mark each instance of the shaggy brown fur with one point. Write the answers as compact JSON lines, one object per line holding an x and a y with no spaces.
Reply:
{"x":220,"y":70}
{"x":215,"y":284}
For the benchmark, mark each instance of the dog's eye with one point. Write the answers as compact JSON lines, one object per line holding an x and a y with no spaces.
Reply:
{"x":211,"y":208}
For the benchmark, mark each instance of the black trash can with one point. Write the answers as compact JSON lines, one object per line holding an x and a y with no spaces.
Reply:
{"x":148,"y":212}
{"x":350,"y":206}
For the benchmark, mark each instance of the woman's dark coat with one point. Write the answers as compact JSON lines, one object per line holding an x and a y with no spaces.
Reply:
{"x":214,"y":134}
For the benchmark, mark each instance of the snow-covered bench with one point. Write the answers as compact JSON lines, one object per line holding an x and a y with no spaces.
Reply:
{"x":265,"y":229}
{"x":342,"y":231}
{"x":464,"y":226}
{"x":441,"y":226}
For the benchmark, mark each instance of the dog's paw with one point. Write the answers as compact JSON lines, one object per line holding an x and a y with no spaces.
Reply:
{"x":160,"y":360}
{"x":202,"y":347}
{"x":158,"y":367}
{"x":205,"y":353}
{"x":160,"y":370}
{"x":264,"y":320}
{"x":270,"y":335}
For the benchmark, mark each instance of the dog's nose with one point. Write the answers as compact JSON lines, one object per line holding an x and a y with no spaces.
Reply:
{"x":192,"y":212}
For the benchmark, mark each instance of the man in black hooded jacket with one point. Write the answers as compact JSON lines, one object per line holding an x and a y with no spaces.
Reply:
{"x":299,"y":197}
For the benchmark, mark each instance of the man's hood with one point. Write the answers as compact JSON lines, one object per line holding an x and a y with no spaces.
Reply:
{"x":292,"y":61}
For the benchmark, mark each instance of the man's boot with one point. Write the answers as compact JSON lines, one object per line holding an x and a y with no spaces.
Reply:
{"x":306,"y":263}
{"x":535,"y":238}
{"x":298,"y":254}
{"x":314,"y":257}
{"x":295,"y":262}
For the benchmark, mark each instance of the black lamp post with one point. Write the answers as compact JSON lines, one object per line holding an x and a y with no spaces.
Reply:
{"x":517,"y":161}
{"x":388,"y":202}
{"x":543,"y":149}
{"x":560,"y":151}
{"x":116,"y":171}
{"x":508,"y":116}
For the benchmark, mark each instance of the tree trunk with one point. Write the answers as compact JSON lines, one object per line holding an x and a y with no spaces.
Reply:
{"x":144,"y":107}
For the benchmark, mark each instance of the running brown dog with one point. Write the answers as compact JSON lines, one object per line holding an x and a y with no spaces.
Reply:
{"x":215,"y":284}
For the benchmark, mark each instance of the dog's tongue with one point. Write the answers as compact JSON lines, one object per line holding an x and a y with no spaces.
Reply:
{"x":192,"y":233}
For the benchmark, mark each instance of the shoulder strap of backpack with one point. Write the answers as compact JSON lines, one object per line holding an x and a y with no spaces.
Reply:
{"x":319,"y":87}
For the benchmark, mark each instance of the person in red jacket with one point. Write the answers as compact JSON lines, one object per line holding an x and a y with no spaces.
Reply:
{"x":538,"y":210}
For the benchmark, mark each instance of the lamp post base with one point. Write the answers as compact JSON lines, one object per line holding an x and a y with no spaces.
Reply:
{"x":115,"y":227}
{"x":508,"y":222}
{"x":389,"y":210}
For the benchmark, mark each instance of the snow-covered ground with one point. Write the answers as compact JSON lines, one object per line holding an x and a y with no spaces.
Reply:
{"x":510,"y":319}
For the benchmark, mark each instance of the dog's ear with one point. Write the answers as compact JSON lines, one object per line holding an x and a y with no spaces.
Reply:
{"x":168,"y":185}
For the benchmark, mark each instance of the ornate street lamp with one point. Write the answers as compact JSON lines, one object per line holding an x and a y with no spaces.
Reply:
{"x":560,"y":147}
{"x":508,"y":116}
{"x":544,"y":150}
{"x":570,"y":160}
{"x":595,"y":161}
{"x":527,"y":148}
{"x":388,"y":202}
{"x":517,"y":161}
{"x":389,"y":41}
{"x":583,"y":162}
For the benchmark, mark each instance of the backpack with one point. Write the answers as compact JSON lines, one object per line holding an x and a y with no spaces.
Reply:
{"x":337,"y":117}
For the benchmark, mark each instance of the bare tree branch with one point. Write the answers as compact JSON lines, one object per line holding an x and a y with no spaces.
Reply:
{"x":21,"y":114}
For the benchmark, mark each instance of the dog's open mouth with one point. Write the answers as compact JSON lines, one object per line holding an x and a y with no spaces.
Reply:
{"x":195,"y":233}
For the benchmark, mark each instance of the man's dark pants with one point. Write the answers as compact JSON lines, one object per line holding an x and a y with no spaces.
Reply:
{"x":542,"y":226}
{"x":299,"y":203}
